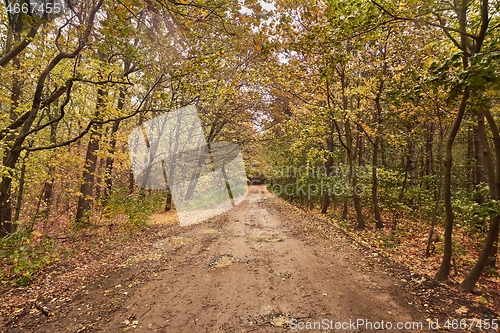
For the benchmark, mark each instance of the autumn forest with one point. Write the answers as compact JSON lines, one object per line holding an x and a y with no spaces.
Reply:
{"x":380,"y":117}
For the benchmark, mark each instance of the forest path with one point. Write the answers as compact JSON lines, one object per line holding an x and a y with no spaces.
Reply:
{"x":256,"y":268}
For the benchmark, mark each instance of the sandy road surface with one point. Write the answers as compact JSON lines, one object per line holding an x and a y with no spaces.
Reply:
{"x":251,"y":269}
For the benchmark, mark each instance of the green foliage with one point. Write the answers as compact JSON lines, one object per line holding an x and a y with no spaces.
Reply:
{"x":422,"y":200}
{"x":491,"y":272}
{"x":471,"y":215}
{"x":24,"y":254}
{"x":137,"y":207}
{"x":344,"y":224}
{"x":390,"y":187}
{"x":390,"y":241}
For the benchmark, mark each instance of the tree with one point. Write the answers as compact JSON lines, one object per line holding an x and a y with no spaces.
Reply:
{"x":14,"y":145}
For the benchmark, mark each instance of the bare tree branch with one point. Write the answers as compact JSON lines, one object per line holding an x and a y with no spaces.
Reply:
{"x":416,"y":19}
{"x":67,"y":87}
{"x":45,"y":103}
{"x":97,"y":122}
{"x":6,"y":58}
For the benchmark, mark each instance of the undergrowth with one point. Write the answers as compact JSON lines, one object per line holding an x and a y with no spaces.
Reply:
{"x":25,"y":252}
{"x":137,"y":207}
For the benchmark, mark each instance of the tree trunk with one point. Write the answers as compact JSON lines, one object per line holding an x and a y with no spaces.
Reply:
{"x":412,"y":163}
{"x":45,"y":202}
{"x":328,"y":171}
{"x":352,"y":180}
{"x":486,"y":154}
{"x":492,"y":257}
{"x":353,"y":177}
{"x":437,"y":193}
{"x":110,"y":161}
{"x":444,"y":270}
{"x":131,"y":181}
{"x":88,"y":177}
{"x":48,"y":186}
{"x":383,"y":154}
{"x":430,"y":238}
{"x":429,"y":156}
{"x":345,"y":209}
{"x":471,"y":162}
{"x":20,"y":191}
{"x":360,"y":145}
{"x":479,"y":166}
{"x":6,"y":224}
{"x":168,"y":202}
{"x":376,"y":209}
{"x":470,"y":280}
{"x":487,"y":160}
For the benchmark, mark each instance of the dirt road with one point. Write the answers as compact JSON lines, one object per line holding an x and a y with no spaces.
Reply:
{"x":256,"y":268}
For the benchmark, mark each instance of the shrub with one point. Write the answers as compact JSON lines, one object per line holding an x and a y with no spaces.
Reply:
{"x":24,"y":253}
{"x":138,"y":206}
